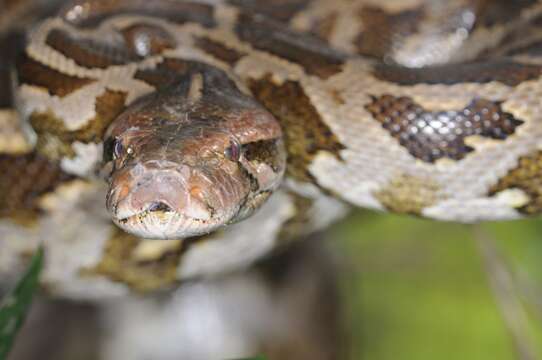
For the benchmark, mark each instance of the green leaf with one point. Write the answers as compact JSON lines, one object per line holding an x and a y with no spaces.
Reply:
{"x":260,"y":357}
{"x":15,"y":306}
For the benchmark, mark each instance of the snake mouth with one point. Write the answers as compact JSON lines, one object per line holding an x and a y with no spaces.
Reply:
{"x":165,"y":203}
{"x":163,"y":222}
{"x":161,"y":213}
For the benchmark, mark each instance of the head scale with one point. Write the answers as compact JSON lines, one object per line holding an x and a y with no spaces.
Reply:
{"x":190,"y":158}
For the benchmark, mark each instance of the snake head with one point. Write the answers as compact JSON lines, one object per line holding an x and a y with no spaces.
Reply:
{"x":182,"y":167}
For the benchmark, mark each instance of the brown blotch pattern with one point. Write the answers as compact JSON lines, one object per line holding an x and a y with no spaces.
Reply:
{"x":498,"y":12}
{"x":513,"y":42}
{"x":180,"y":12}
{"x":324,"y":27}
{"x":263,"y":151}
{"x":147,"y":39}
{"x":527,"y":176}
{"x":433,"y":135}
{"x":119,"y":264}
{"x":172,"y":70}
{"x":8,"y":4}
{"x":311,"y":53}
{"x":384,"y":29}
{"x":90,"y":53}
{"x":504,"y":71}
{"x":218,"y":50}
{"x":34,"y":73}
{"x":24,"y":178}
{"x":408,"y":194}
{"x":165,"y":72}
{"x":305,"y":132}
{"x":11,"y":44}
{"x":55,"y":140}
{"x":6,"y":96}
{"x":281,"y":10}
{"x":532,"y":49}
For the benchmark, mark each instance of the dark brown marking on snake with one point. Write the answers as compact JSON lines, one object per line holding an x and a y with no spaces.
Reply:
{"x":514,"y":43}
{"x":218,"y":50}
{"x":324,"y":27}
{"x":34,"y":73}
{"x":383,"y":29}
{"x":147,"y":39}
{"x":11,"y":44}
{"x":533,"y":49}
{"x":87,"y":14}
{"x":90,"y":53}
{"x":6,"y":95}
{"x":430,"y":136}
{"x":281,"y":10}
{"x":165,"y":72}
{"x":527,"y":176}
{"x":170,"y":70}
{"x":523,"y":39}
{"x":24,"y":179}
{"x":505,"y":71}
{"x":502,"y":12}
{"x":55,"y":139}
{"x":9,"y":4}
{"x":120,"y":264}
{"x":497,"y":12}
{"x":305,"y":132}
{"x":310,"y":52}
{"x":263,"y":151}
{"x":535,"y":22}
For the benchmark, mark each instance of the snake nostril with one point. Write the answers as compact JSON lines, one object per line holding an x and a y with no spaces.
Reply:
{"x":159,"y":206}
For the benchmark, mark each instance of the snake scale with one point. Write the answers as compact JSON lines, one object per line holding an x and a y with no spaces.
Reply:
{"x":237,"y":125}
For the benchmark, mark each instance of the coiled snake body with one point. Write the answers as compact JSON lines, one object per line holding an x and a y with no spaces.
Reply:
{"x":197,"y":111}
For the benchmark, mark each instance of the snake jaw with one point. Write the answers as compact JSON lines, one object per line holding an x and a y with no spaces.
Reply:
{"x":169,"y":203}
{"x":165,"y":225}
{"x":194,"y":209}
{"x":159,"y":221}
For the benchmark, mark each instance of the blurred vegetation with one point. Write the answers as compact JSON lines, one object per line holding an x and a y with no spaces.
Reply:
{"x":418,"y":289}
{"x":16,"y":303}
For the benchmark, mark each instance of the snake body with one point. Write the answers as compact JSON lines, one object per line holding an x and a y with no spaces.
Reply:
{"x":192,"y":105}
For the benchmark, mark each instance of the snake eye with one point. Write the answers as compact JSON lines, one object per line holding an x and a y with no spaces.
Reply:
{"x":233,"y":152}
{"x":117,"y":148}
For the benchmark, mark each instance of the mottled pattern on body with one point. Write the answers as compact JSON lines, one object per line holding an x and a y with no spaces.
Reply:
{"x":430,"y":136}
{"x":417,"y":107}
{"x":526,"y":177}
{"x":25,"y":178}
